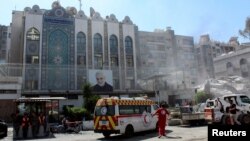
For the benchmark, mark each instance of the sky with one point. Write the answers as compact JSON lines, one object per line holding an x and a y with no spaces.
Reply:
{"x":221,"y":19}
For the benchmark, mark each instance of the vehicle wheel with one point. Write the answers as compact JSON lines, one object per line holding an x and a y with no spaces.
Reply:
{"x":226,"y":120}
{"x":77,"y":130}
{"x":61,"y":129}
{"x":129,"y":131}
{"x":5,"y":133}
{"x":106,"y":134}
{"x":245,"y":119}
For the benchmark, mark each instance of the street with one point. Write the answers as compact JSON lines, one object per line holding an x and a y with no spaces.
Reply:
{"x":175,"y":133}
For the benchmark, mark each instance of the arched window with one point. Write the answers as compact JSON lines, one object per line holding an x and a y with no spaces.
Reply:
{"x":113,"y":43}
{"x":81,"y":49}
{"x":113,"y":50}
{"x":98,"y":58}
{"x":98,"y":43}
{"x":244,"y":67}
{"x":129,"y":52}
{"x":81,"y":42}
{"x":128,"y":42}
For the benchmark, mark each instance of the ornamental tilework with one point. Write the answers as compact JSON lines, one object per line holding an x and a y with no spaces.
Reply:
{"x":58,"y":54}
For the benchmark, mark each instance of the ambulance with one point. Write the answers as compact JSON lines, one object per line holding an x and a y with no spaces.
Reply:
{"x":124,"y":116}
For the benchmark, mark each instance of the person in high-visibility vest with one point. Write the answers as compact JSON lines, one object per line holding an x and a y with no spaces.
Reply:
{"x":42,"y":121}
{"x":25,"y":124}
{"x":34,"y":123}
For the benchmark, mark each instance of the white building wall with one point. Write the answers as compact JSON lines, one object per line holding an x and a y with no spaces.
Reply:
{"x":11,"y":83}
{"x":221,"y":61}
{"x":98,"y":27}
{"x":36,"y":21}
{"x":113,"y":28}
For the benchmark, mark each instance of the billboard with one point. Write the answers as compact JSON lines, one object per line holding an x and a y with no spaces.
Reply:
{"x":101,"y":80}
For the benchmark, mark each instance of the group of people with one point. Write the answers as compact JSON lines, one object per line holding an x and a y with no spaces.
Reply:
{"x":23,"y":122}
{"x":231,"y":110}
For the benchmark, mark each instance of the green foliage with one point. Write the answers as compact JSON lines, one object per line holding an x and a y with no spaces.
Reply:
{"x":201,"y":97}
{"x":89,"y":100}
{"x":246,"y":32}
{"x":74,"y":113}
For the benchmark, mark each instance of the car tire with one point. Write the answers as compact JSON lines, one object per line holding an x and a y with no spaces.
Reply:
{"x":106,"y":134}
{"x":129,"y":131}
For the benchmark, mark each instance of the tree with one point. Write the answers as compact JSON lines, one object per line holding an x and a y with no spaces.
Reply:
{"x":89,"y":100}
{"x":201,"y":97}
{"x":246,"y":32}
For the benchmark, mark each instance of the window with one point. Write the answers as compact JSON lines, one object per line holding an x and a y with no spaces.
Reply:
{"x":113,"y":44}
{"x":98,"y":43}
{"x":8,"y":91}
{"x":145,"y":108}
{"x":230,"y":69}
{"x":72,"y":96}
{"x":129,"y":60}
{"x":98,"y":60}
{"x":126,"y":109}
{"x":33,"y":34}
{"x":128,"y":42}
{"x":81,"y":60}
{"x":81,"y":42}
{"x":31,"y":84}
{"x":134,"y":109}
{"x":244,"y":67}
{"x":114,"y":61}
{"x":245,"y":99}
{"x":32,"y":59}
{"x":5,"y":34}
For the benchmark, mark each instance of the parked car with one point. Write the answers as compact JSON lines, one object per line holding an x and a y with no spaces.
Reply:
{"x":3,"y":129}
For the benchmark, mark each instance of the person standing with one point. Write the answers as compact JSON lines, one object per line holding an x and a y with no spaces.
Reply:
{"x":162,"y":113}
{"x":34,"y":124}
{"x":42,"y":123}
{"x":17,"y":121}
{"x":25,"y":124}
{"x":232,"y":111}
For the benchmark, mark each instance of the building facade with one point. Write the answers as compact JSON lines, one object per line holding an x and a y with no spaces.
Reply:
{"x":168,"y":65}
{"x":56,"y":48}
{"x":3,"y":43}
{"x":235,"y":63}
{"x":207,"y":50}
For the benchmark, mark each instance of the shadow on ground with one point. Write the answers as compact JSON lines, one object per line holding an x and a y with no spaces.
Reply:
{"x":51,"y":136}
{"x":138,"y":136}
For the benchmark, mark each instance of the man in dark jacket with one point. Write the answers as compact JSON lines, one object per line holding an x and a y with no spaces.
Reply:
{"x":102,"y":85}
